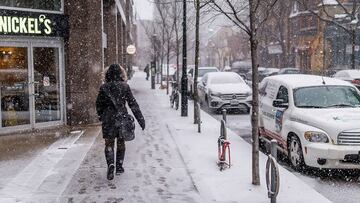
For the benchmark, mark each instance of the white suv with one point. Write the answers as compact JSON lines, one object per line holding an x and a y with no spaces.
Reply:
{"x":316,"y":120}
{"x":202,"y":72}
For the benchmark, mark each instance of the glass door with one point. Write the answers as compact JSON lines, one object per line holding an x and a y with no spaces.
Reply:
{"x":47,"y":89}
{"x":14,"y":85}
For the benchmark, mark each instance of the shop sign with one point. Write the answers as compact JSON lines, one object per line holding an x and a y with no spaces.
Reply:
{"x":32,"y":24}
{"x":275,"y":49}
{"x":131,"y":49}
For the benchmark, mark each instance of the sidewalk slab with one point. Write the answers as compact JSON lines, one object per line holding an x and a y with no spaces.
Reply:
{"x":47,"y":176}
{"x":154,"y":169}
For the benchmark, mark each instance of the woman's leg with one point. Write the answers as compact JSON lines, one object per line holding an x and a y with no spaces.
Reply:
{"x":120,"y":154}
{"x":109,"y":155}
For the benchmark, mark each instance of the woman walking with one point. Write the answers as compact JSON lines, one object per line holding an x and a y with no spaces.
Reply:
{"x":115,"y":89}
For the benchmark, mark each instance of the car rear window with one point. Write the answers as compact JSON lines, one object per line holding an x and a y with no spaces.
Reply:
{"x":202,"y":72}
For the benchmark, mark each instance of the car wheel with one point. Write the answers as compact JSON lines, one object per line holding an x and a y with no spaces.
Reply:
{"x":248,"y":111}
{"x":296,"y":156}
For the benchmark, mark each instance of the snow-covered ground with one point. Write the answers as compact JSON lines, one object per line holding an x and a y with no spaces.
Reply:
{"x":168,"y":162}
{"x":233,"y":185}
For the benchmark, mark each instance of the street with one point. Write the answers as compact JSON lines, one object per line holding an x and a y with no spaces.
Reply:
{"x":338,"y":186}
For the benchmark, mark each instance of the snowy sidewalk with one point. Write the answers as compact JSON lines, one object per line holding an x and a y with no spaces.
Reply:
{"x":200,"y":155}
{"x":168,"y":162}
{"x":154,"y":169}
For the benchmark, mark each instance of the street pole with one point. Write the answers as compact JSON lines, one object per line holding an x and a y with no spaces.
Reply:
{"x":153,"y":64}
{"x":273,"y":177}
{"x":184,"y":92}
{"x":153,"y":67}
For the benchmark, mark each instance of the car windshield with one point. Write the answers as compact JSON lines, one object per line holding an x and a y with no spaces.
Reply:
{"x":326,"y":97}
{"x":226,"y":79}
{"x":202,"y":72}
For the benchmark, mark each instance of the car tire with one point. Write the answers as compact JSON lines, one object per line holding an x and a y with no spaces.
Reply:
{"x":247,"y":111}
{"x":295,"y":153}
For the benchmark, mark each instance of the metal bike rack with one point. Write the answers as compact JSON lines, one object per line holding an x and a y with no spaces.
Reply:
{"x":222,"y":140}
{"x":272,"y":173}
{"x":224,"y":114}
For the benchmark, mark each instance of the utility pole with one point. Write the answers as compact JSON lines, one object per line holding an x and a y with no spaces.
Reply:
{"x":196,"y":73}
{"x":153,"y":64}
{"x":184,"y":91}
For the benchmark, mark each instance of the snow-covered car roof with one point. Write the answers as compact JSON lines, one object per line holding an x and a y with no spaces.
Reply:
{"x":301,"y":80}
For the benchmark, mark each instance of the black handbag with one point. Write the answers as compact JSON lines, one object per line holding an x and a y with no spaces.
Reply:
{"x":124,"y":122}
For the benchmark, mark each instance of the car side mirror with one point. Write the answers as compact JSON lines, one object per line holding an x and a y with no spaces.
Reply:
{"x":280,"y":103}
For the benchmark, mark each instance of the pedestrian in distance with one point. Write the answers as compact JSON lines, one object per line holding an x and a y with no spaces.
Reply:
{"x":147,"y":71}
{"x":115,"y":90}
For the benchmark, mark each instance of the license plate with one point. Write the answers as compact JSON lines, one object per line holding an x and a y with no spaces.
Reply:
{"x":234,"y":102}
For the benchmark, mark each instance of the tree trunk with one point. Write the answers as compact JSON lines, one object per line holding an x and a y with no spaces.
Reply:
{"x":177,"y":46}
{"x":167,"y":68}
{"x":184,"y":93}
{"x":162,"y":54}
{"x":196,"y":74}
{"x":353,"y":42}
{"x":255,"y":97}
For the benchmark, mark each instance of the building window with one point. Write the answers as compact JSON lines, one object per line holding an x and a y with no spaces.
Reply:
{"x":51,"y":5}
{"x":30,"y":84}
{"x":14,"y":89}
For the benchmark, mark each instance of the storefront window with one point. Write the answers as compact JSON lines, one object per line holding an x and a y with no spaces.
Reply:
{"x":46,"y":84}
{"x":14,"y":86}
{"x":52,"y":5}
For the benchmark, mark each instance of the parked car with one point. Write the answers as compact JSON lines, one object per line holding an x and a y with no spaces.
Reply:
{"x":352,"y":76}
{"x":172,"y":69}
{"x":315,"y":120}
{"x":202,"y":72}
{"x":224,"y":90}
{"x":263,"y":73}
{"x":289,"y":71}
{"x":241,"y":66}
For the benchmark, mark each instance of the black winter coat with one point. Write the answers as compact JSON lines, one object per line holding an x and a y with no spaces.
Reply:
{"x":106,"y":109}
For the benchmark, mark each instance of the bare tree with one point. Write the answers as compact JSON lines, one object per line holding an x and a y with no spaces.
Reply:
{"x":348,"y":9}
{"x":198,"y":6}
{"x":249,"y":16}
{"x":275,"y":30}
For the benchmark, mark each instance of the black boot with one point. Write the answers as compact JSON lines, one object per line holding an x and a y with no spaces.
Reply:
{"x":110,"y":172}
{"x":119,"y":170}
{"x":109,"y":154}
{"x":120,"y":154}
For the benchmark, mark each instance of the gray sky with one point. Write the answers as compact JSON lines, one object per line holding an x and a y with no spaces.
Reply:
{"x":144,"y":9}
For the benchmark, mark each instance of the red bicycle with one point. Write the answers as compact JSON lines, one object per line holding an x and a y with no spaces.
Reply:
{"x":223,"y":149}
